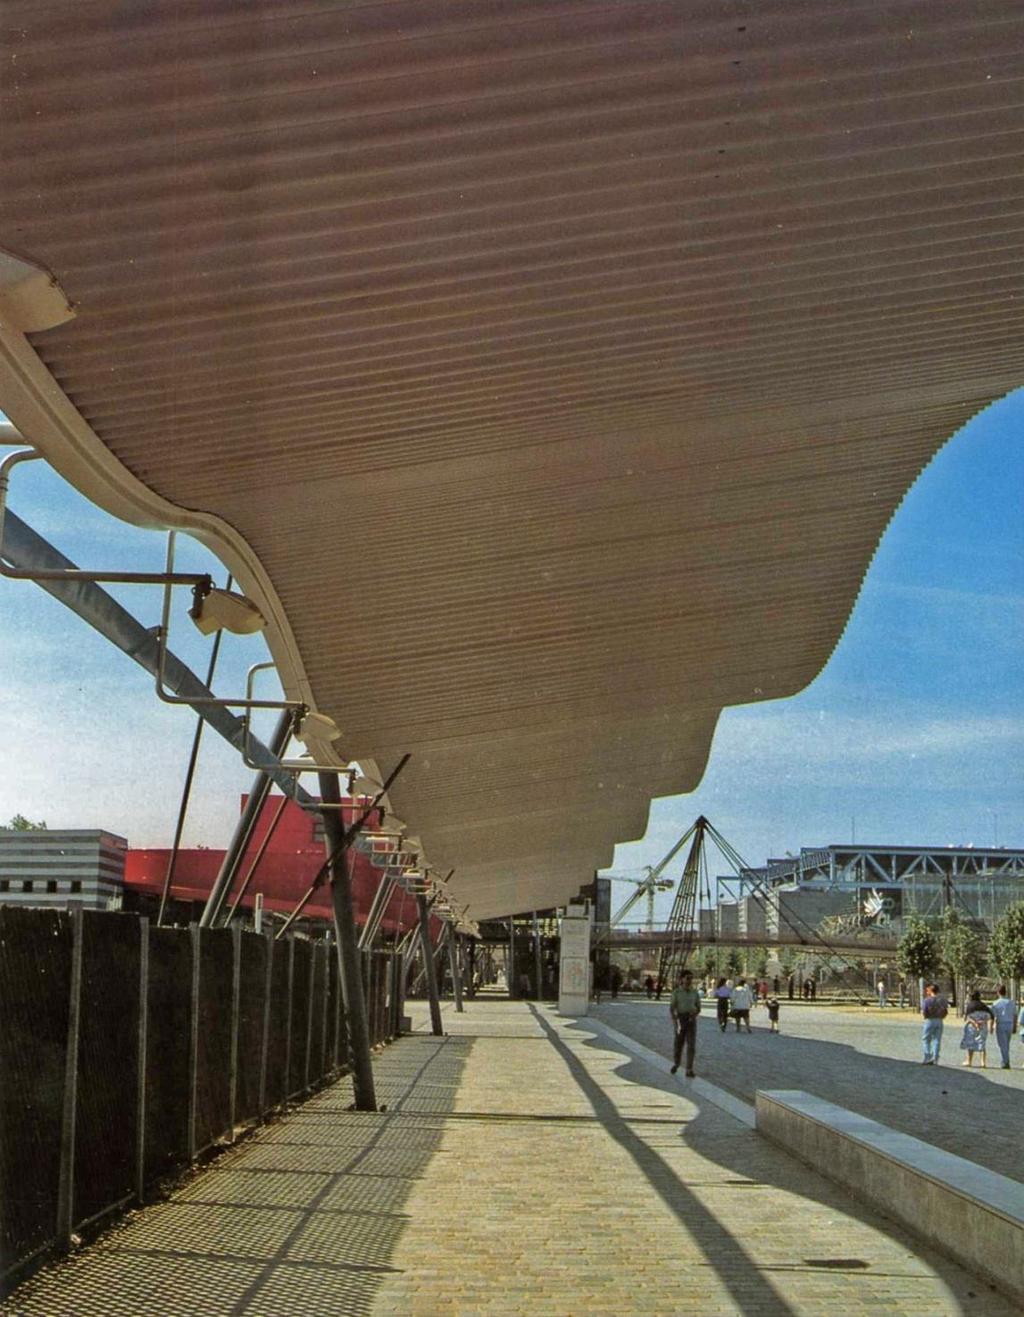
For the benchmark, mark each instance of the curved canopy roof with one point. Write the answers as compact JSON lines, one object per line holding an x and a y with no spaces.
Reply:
{"x":547,"y":371}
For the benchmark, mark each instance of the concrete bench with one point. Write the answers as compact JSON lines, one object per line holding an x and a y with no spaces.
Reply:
{"x":971,"y":1214}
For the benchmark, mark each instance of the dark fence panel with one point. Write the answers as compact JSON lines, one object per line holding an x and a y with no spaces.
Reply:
{"x":35,"y":971}
{"x":375,"y":986}
{"x":105,"y":1144}
{"x":383,"y":989}
{"x":337,"y":1035}
{"x":250,"y":1025}
{"x":168,"y":1028}
{"x":288,"y":1040}
{"x":300,"y":1017}
{"x":317,"y":1058}
{"x":213,"y":1076}
{"x":277,"y":1051}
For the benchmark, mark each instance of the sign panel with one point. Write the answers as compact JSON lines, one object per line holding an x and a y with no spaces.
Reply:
{"x":574,"y":966}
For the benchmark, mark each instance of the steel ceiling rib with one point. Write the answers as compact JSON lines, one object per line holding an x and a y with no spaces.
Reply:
{"x":609,"y":336}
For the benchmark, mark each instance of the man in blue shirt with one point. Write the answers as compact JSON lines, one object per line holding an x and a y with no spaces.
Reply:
{"x":934,"y":1008}
{"x":1005,"y":1012}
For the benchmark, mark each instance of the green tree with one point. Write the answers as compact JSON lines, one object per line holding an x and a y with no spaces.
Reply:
{"x":734,"y":963}
{"x":21,"y":824}
{"x":962,"y":951}
{"x":917,"y":953}
{"x":1006,"y":948}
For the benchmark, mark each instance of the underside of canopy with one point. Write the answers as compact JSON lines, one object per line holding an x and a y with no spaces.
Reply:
{"x":547,"y":371}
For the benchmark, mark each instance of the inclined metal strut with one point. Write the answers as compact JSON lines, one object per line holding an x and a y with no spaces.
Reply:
{"x":26,"y":550}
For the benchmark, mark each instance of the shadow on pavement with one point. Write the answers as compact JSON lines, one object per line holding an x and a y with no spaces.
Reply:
{"x":304,"y":1217}
{"x":745,"y":1281}
{"x":946,"y":1105}
{"x":756,"y":1163}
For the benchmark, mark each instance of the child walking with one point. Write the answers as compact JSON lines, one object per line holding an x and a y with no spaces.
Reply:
{"x":773,"y":1014}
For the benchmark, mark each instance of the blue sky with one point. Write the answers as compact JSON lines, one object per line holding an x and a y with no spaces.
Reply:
{"x":913,"y":733}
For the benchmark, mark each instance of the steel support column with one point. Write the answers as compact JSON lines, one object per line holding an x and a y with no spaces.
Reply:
{"x":429,"y":967}
{"x":349,"y":968}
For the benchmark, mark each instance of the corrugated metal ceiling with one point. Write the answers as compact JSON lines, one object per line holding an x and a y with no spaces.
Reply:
{"x":586,"y":348}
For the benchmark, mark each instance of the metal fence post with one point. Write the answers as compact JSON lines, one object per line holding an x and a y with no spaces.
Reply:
{"x":339,"y":1007}
{"x":324,"y":1067}
{"x":193,"y":1051}
{"x":236,"y":999}
{"x":140,"y":1088}
{"x":397,"y":962}
{"x":288,"y":1022}
{"x":265,"y":1041}
{"x":66,"y":1182}
{"x":369,"y":986}
{"x":309,"y":1016}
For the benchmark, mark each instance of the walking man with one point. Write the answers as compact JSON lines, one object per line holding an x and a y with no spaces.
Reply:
{"x":684,"y":1009}
{"x":1005,"y":1012}
{"x":934,"y":1008}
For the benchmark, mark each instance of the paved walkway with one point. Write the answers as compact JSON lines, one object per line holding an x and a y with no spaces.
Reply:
{"x":868,"y":1061}
{"x":526,"y":1164}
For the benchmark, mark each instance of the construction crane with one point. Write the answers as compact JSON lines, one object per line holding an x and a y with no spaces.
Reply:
{"x":644,"y":887}
{"x":651,"y":882}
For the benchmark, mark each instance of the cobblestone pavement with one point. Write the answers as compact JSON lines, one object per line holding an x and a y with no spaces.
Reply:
{"x":525,"y":1165}
{"x":868,"y":1061}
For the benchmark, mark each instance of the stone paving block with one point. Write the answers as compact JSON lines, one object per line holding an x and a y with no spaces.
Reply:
{"x":524,"y":1166}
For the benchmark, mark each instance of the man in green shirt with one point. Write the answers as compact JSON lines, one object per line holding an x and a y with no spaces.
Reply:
{"x":684,"y":1008}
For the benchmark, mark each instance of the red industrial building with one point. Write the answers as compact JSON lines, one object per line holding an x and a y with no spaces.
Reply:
{"x":293,"y":856}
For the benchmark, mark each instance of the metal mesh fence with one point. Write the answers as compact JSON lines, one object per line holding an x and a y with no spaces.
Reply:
{"x":105,"y":1121}
{"x":255,"y":953}
{"x":35,"y":970}
{"x":168,"y":1049}
{"x":277,"y":1050}
{"x":303,"y":959}
{"x":317,"y":1061}
{"x":337,"y":1025}
{"x":211,"y":1050}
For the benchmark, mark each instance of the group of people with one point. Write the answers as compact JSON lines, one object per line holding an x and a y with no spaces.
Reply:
{"x":980,"y":1022}
{"x":732,"y":1001}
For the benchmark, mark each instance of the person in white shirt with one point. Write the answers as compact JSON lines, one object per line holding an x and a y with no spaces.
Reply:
{"x":739,"y":1005}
